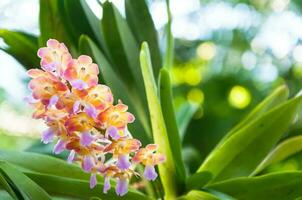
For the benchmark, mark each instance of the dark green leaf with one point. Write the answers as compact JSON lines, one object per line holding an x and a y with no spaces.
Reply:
{"x":123,"y":49}
{"x":22,"y":46}
{"x":166,"y":101}
{"x":241,"y":153}
{"x":53,"y":24}
{"x":142,"y":26}
{"x":82,"y":20}
{"x":184,"y":116}
{"x":28,"y":188}
{"x":278,"y":186}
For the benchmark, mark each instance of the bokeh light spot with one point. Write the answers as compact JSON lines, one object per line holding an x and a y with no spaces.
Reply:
{"x":195,"y":95}
{"x":239,"y":97}
{"x":192,"y":76}
{"x":206,"y":51}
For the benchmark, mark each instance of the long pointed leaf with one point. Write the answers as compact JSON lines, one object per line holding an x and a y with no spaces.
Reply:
{"x":142,"y":26}
{"x":184,"y":116}
{"x":21,"y":46}
{"x":168,"y":169}
{"x":277,"y":97}
{"x":43,"y":164}
{"x":277,"y":186}
{"x":240,"y":154}
{"x":28,"y":188}
{"x":283,"y":150}
{"x":52,"y":24}
{"x":165,"y":92}
{"x":67,"y":187}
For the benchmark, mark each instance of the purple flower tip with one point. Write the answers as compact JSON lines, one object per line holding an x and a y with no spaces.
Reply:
{"x":91,"y":111}
{"x":121,"y":187}
{"x":93,"y":181}
{"x":86,"y":139}
{"x":52,"y":101}
{"x":47,"y":136}
{"x":150,"y":173}
{"x":106,"y":185}
{"x":71,"y":156}
{"x":50,"y":67}
{"x":59,"y":147}
{"x":76,"y":106}
{"x":123,"y":162}
{"x":113,"y":132}
{"x":79,"y":84}
{"x":87,"y":163}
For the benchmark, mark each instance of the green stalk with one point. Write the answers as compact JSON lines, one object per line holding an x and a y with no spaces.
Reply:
{"x":167,"y":170}
{"x":168,"y":60}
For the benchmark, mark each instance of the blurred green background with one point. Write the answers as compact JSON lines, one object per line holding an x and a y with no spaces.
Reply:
{"x":229,"y":55}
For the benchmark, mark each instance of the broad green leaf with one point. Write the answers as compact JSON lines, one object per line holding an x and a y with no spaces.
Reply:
{"x":82,"y":20}
{"x":123,"y":49}
{"x":43,"y":164}
{"x":142,"y":26}
{"x":4,"y":195}
{"x":198,"y":180}
{"x":124,"y":55}
{"x":277,"y":186}
{"x":277,"y":97}
{"x":22,"y":46}
{"x":283,"y":150}
{"x":52,"y":23}
{"x":198,"y":195}
{"x":9,"y":188}
{"x":167,"y":170}
{"x":241,"y":153}
{"x":68,"y":187}
{"x":87,"y":46}
{"x":28,"y":188}
{"x":184,"y":116}
{"x":166,"y":101}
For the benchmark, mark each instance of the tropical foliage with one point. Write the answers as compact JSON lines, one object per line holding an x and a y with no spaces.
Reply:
{"x":126,"y":50}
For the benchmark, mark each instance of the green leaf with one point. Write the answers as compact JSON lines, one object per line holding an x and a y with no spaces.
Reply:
{"x":67,"y":187}
{"x":121,"y":44}
{"x":241,"y":153}
{"x":198,"y":195}
{"x":9,"y":188}
{"x":282,"y":151}
{"x":142,"y":26}
{"x":184,"y":116}
{"x":169,"y":54}
{"x":277,"y":97}
{"x":52,"y":24}
{"x":277,"y":186}
{"x":43,"y":164}
{"x":128,"y":96}
{"x":82,"y":20}
{"x":167,"y":169}
{"x":27,"y":188}
{"x":22,"y":46}
{"x":198,"y":180}
{"x":166,"y":101}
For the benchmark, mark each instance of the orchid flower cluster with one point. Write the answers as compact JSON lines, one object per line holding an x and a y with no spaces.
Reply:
{"x":82,"y":117}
